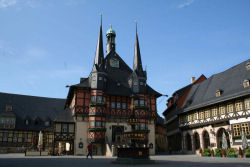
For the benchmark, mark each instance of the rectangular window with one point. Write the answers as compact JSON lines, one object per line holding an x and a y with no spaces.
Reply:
{"x":64,"y":128}
{"x":236,"y":128}
{"x":222,"y":110}
{"x":98,"y":124}
{"x":238,"y":106}
{"x":142,"y":126}
{"x":230,"y":108}
{"x":15,"y":137}
{"x":112,"y":104}
{"x":123,"y":105}
{"x":103,"y":124}
{"x":5,"y":136}
{"x":201,"y":115}
{"x":247,"y":104}
{"x":245,"y":128}
{"x":141,"y":102}
{"x":214,"y":112}
{"x":194,"y":116}
{"x":99,"y":99}
{"x":104,"y":99}
{"x":136,"y":102}
{"x":207,"y":113}
{"x":93,"y":98}
{"x":118,"y":105}
{"x":190,"y":118}
{"x":25,"y":137}
{"x":8,"y":107}
{"x":92,"y":123}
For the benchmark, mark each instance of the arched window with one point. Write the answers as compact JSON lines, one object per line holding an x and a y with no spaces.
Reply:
{"x":219,"y":137}
{"x":206,"y":139}
{"x":188,"y":141}
{"x":197,"y":141}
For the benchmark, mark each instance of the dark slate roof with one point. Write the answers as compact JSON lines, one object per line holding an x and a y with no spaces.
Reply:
{"x":229,"y":81}
{"x":159,"y":120}
{"x":121,"y":75}
{"x":32,"y":108}
{"x":84,"y":83}
{"x":117,"y":78}
{"x":66,"y":116}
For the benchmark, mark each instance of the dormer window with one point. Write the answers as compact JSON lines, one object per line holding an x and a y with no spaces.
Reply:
{"x":47,"y":123}
{"x":218,"y":93}
{"x":114,"y":63}
{"x":8,"y":107}
{"x":246,"y":83}
{"x":248,"y":66}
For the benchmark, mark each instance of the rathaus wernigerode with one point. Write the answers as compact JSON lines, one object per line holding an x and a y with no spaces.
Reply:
{"x":102,"y":103}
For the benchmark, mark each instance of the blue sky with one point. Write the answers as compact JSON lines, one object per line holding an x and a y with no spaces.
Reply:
{"x":48,"y":44}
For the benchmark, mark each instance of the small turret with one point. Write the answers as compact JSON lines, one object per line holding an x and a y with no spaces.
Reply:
{"x":110,"y":40}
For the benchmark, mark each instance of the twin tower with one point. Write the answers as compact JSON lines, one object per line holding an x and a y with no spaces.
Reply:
{"x":135,"y":81}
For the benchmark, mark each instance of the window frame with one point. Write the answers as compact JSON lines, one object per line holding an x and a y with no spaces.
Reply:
{"x":245,"y":128}
{"x":230,"y":107}
{"x":236,"y":130}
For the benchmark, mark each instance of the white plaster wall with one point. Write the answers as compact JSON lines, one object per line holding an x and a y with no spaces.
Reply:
{"x":81,"y":135}
{"x":151,"y":138}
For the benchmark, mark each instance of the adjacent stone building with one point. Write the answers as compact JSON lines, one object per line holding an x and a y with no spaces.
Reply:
{"x":217,"y":105}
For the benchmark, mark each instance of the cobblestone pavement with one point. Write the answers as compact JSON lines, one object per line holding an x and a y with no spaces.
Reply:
{"x":16,"y":160}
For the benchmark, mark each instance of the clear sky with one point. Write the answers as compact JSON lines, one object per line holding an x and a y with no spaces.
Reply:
{"x":48,"y":44}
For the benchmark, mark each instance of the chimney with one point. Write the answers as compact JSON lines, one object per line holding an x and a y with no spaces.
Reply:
{"x":192,"y":79}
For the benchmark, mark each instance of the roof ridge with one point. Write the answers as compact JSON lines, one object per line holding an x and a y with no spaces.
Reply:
{"x":32,"y":96}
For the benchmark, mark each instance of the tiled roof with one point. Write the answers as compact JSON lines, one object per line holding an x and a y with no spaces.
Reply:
{"x":230,"y":82}
{"x":32,"y":108}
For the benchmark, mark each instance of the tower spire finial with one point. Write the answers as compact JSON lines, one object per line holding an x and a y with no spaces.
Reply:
{"x":101,"y":18}
{"x":136,"y":26}
{"x":137,"y":66}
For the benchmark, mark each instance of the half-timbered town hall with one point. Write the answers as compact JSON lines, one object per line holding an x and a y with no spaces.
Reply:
{"x":102,"y":103}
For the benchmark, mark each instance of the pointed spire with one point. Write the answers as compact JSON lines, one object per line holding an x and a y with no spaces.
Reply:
{"x":99,"y":56}
{"x":137,"y":66}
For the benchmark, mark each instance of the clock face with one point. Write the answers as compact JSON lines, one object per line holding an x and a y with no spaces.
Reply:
{"x":114,"y":63}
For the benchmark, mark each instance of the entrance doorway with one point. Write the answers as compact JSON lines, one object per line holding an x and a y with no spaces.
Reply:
{"x":117,"y":134}
{"x":64,"y":148}
{"x":189,"y":143}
